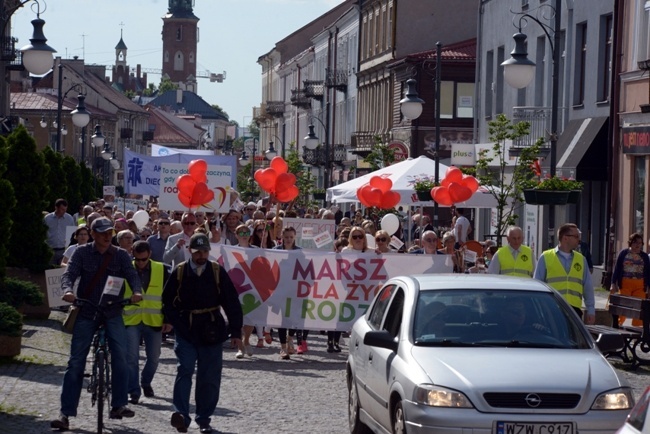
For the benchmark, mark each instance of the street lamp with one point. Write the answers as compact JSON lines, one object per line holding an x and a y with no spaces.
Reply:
{"x":80,"y":116}
{"x":271,"y":152}
{"x":411,"y":107}
{"x":518,"y":72}
{"x":37,"y":56}
{"x":311,"y":142}
{"x":98,"y":138}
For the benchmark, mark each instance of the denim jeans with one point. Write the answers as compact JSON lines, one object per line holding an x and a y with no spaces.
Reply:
{"x":152,"y":343}
{"x":82,"y":337}
{"x":209,"y":361}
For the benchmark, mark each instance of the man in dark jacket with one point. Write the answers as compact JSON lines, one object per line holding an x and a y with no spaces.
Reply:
{"x":192,"y":299}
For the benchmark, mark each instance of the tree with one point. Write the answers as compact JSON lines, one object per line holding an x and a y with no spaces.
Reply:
{"x":247,"y":187}
{"x":150,"y":90}
{"x":506,"y":187}
{"x":303,"y":177}
{"x":28,"y":174}
{"x":87,"y":186}
{"x":73,"y":180}
{"x":7,"y":202}
{"x":380,"y":156}
{"x":166,"y":84}
{"x":220,"y":110}
{"x":55,"y":177}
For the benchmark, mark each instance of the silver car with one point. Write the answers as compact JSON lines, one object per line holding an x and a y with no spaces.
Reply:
{"x":478,"y":354}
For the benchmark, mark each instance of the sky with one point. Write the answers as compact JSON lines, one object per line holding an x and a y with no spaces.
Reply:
{"x":233,"y":35}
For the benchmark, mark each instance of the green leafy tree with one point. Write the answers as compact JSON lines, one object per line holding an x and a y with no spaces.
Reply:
{"x":87,"y":186}
{"x":247,"y":187}
{"x":55,"y":177}
{"x":304,"y":182}
{"x":150,"y":90}
{"x":166,"y":84}
{"x":73,"y":180}
{"x":220,"y":110}
{"x":7,"y":202}
{"x":28,"y":173}
{"x":380,"y":156}
{"x":491,"y":168}
{"x":129,"y":93}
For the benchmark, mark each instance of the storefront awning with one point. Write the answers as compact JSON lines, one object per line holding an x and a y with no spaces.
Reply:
{"x":582,"y":147}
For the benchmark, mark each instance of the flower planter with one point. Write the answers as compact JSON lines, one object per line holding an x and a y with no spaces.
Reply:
{"x":574,"y":196}
{"x":10,"y":345}
{"x":424,"y":196}
{"x":546,"y":197}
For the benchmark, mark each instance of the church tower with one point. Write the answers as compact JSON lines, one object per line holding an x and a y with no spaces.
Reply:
{"x":120,"y":69}
{"x":180,"y":38}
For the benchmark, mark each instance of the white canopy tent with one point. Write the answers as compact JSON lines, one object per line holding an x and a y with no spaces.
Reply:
{"x":403,"y":174}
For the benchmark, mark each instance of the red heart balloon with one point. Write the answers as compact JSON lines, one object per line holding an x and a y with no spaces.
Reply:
{"x":454,"y":174}
{"x":470,"y":182}
{"x":185,"y":184}
{"x":361,"y":191}
{"x":441,"y":195}
{"x":279,"y":165}
{"x":374,"y":196}
{"x":197,"y":170}
{"x":201,"y":194}
{"x":390,"y":199}
{"x":185,"y":200}
{"x":383,"y":184}
{"x":458,"y":192}
{"x":288,"y":195}
{"x":266,"y":179}
{"x":284,"y":181}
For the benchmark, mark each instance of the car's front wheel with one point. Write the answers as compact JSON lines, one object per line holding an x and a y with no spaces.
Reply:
{"x":356,"y":426}
{"x":399,"y":424}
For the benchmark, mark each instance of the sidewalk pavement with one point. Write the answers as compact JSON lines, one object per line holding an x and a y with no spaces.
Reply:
{"x":258,"y":394}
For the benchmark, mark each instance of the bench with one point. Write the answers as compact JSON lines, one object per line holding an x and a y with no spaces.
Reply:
{"x":635,"y":341}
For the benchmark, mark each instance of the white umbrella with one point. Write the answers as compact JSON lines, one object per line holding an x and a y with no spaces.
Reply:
{"x":403,"y":175}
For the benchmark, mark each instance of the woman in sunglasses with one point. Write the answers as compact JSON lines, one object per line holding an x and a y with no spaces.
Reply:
{"x":357,"y":242}
{"x":382,"y":240}
{"x":262,"y":235}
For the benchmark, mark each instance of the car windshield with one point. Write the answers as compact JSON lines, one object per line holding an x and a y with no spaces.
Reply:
{"x":478,"y":317}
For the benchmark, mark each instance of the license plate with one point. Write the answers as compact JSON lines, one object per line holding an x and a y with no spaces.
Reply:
{"x":535,"y":428}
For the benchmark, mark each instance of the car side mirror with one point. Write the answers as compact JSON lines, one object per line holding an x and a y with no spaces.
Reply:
{"x":381,"y":339}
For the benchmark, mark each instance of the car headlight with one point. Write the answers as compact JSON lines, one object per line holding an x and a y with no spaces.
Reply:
{"x":436,"y":396}
{"x":620,"y":399}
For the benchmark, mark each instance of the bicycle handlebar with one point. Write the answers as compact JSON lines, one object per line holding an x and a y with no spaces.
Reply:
{"x":82,"y":301}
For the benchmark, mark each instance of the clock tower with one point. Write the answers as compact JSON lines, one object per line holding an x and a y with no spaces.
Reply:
{"x":180,"y":35}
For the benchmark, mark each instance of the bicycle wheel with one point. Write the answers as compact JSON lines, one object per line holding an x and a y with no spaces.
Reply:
{"x":101,"y":389}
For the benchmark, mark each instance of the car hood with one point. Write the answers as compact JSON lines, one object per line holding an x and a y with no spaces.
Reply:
{"x":483,"y":370}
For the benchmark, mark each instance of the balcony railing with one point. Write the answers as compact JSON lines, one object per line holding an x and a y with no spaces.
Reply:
{"x":363,"y":142}
{"x":275,"y":108}
{"x":318,"y":156}
{"x":299,"y":99}
{"x":337,"y":78}
{"x":540,"y":126}
{"x":314,"y":89}
{"x":7,"y":48}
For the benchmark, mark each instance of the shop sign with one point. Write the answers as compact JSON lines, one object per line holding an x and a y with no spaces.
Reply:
{"x":401,"y":151}
{"x":636,"y":140}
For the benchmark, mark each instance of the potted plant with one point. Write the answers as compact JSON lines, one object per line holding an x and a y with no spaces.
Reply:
{"x":319,"y":194}
{"x":11,"y":326}
{"x":552,"y":191}
{"x":422,"y":185}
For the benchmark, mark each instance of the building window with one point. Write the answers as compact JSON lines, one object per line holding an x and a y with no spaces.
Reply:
{"x":605,"y":62}
{"x":643,"y":30}
{"x":489,"y":81}
{"x":456,"y":100}
{"x":498,"y":89}
{"x":638,"y":199}
{"x":179,"y":33}
{"x":166,"y":56}
{"x":581,"y":64}
{"x":540,"y":71}
{"x":178,"y":61}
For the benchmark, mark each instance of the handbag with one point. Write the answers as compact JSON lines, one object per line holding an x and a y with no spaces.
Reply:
{"x":73,"y":311}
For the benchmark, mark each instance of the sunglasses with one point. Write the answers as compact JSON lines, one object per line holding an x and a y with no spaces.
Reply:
{"x":382,"y":239}
{"x":140,"y":259}
{"x":244,"y":234}
{"x":189,"y":223}
{"x":358,"y":237}
{"x":163,"y":223}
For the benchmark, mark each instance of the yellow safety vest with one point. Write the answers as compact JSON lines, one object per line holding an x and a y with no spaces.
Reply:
{"x":522,"y":266}
{"x":569,"y":285}
{"x":149,"y":309}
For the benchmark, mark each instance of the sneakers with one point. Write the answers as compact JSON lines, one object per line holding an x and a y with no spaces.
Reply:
{"x":178,"y":422}
{"x":205,"y":428}
{"x":249,"y":350}
{"x":337,"y":348}
{"x":148,"y":391}
{"x":330,"y":347}
{"x":240,"y":354}
{"x":62,"y":423}
{"x":302,"y":347}
{"x":299,"y":348}
{"x":133,"y":398}
{"x":120,"y":412}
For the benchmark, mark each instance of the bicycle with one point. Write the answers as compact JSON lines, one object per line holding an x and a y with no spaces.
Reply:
{"x":99,"y":385}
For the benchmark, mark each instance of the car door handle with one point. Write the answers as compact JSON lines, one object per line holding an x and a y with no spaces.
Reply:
{"x":370,"y":357}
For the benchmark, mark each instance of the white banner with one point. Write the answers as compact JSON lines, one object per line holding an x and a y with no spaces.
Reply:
{"x":315,"y":290}
{"x":219,"y":178}
{"x":163,"y":151}
{"x":53,"y":283}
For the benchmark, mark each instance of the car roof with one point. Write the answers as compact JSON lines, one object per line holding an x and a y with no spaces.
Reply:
{"x":425,"y":282}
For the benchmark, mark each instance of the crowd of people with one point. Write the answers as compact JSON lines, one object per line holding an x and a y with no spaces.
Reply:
{"x":161,"y":259}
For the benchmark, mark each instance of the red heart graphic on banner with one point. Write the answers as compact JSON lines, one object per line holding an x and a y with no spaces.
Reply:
{"x":262,"y":275}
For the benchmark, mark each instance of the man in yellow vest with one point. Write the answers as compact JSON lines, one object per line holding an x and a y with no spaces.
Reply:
{"x":145,"y":321}
{"x":567,"y":271}
{"x":515,"y":259}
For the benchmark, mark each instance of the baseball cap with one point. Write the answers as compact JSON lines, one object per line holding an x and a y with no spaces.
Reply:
{"x":102,"y":225}
{"x":199,"y":242}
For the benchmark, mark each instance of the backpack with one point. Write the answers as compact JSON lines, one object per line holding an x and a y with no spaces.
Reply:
{"x":181,"y":267}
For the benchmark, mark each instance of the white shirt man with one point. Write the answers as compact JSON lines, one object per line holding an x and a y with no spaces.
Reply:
{"x":56,"y":223}
{"x":461,"y":228}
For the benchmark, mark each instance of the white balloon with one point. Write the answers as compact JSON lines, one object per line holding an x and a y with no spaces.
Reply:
{"x":141,"y":218}
{"x":371,"y":241}
{"x":390,"y":223}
